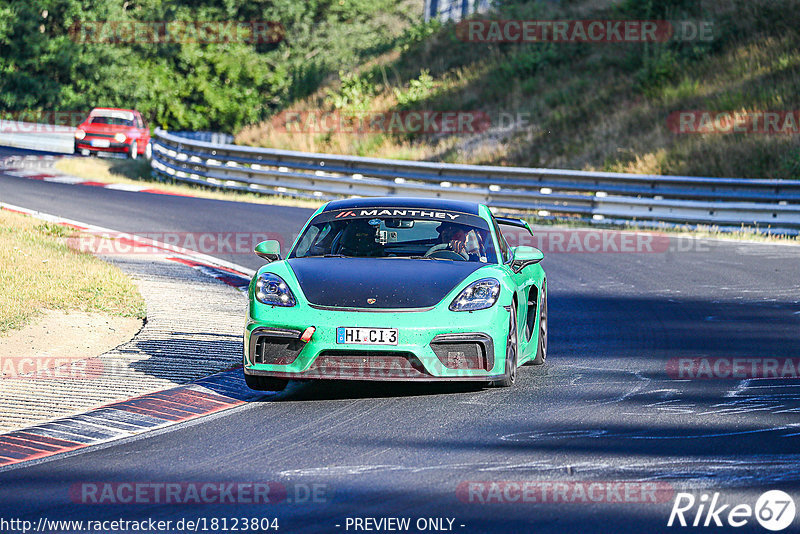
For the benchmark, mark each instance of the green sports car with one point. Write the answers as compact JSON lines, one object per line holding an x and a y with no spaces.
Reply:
{"x":396,"y":289}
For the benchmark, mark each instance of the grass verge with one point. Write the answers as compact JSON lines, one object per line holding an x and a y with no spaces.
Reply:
{"x":123,"y":171}
{"x":39,"y":271}
{"x":590,"y":106}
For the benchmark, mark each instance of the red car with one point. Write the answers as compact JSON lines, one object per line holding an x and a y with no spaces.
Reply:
{"x":114,"y":130}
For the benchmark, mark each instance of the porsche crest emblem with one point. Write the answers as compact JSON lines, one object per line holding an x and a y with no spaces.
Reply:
{"x":371,"y":301}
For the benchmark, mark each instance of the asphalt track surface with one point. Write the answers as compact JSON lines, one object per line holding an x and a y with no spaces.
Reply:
{"x":603,"y":409}
{"x":8,"y":151}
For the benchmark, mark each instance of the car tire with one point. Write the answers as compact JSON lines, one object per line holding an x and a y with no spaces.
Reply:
{"x":512,"y":349}
{"x":541,"y":350}
{"x":148,"y":152}
{"x":265,"y":383}
{"x":133,"y":151}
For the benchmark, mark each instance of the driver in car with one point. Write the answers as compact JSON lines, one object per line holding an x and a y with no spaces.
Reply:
{"x":456,"y":237}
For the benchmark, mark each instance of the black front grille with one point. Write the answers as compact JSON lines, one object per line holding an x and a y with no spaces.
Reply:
{"x":464,"y":351}
{"x":277,"y":347}
{"x":92,"y":134}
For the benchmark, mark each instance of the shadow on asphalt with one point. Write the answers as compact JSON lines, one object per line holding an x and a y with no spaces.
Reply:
{"x":323,"y":390}
{"x":582,"y":328}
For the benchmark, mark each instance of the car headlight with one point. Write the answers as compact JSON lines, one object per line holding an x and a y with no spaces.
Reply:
{"x":120,"y":137}
{"x":79,"y":134}
{"x":479,"y":295}
{"x":272,"y":290}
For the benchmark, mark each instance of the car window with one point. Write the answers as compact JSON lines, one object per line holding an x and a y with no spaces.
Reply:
{"x":111,"y":121}
{"x":310,"y":237}
{"x":398,"y":238}
{"x":505,"y":252}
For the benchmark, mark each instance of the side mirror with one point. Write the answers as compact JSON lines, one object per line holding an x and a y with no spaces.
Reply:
{"x":525,"y":256}
{"x":268,"y":250}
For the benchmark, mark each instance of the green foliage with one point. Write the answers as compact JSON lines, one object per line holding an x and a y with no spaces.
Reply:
{"x":790,"y":166}
{"x":354,"y":94}
{"x":184,"y":85}
{"x":655,"y":9}
{"x":527,"y":61}
{"x":418,"y":90}
{"x":368,"y":145}
{"x":54,"y":230}
{"x":660,"y":64}
{"x":418,"y":33}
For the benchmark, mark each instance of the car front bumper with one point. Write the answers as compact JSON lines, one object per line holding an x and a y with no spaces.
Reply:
{"x":433,"y":345}
{"x":113,"y":146}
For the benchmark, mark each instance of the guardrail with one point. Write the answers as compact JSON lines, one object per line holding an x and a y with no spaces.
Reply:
{"x":208,"y":137}
{"x":599,"y":197}
{"x":33,"y":136}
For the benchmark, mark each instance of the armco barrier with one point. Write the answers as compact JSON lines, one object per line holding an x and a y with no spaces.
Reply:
{"x":32,"y":136}
{"x":598,"y":197}
{"x":594,"y":196}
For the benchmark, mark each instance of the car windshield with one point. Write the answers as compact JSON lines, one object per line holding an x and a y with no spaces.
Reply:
{"x":112,"y":121}
{"x":444,"y":239}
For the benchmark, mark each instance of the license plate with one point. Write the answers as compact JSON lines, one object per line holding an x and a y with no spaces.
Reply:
{"x":101,"y":143}
{"x":366,"y":336}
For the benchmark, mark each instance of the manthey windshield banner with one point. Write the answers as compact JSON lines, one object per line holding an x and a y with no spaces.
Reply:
{"x":401,"y":213}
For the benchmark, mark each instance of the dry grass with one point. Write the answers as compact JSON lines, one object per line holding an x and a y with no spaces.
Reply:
{"x":39,"y":271}
{"x":588,"y":106}
{"x":273,"y":134}
{"x":757,"y":76}
{"x":114,"y":171}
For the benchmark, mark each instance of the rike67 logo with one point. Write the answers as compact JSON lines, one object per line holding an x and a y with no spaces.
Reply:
{"x":774,"y":510}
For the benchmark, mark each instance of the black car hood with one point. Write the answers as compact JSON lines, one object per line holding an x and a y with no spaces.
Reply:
{"x":393,"y":283}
